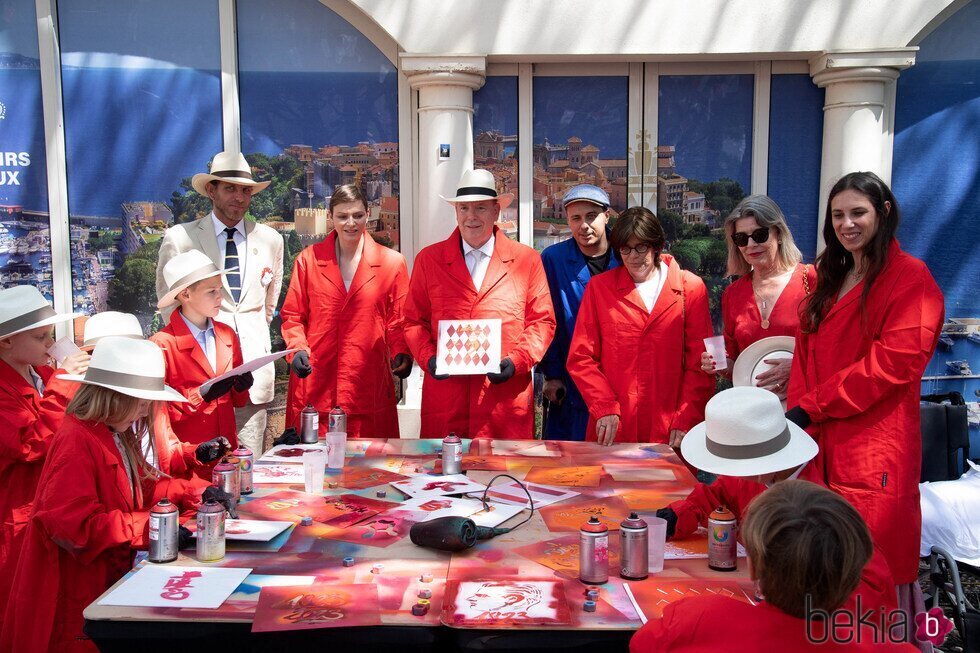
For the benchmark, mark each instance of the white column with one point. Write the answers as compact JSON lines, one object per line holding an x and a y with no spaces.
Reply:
{"x":445,"y":86}
{"x":858,"y":114}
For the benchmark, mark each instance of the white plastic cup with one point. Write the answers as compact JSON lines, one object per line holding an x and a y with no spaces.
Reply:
{"x":715,"y":345}
{"x":336,"y":449}
{"x":657,"y":538}
{"x":314,"y":463}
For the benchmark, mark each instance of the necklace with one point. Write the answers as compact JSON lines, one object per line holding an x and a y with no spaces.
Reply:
{"x":764,"y":304}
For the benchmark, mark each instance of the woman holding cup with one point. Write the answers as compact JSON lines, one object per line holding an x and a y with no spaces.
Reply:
{"x":765,"y":299}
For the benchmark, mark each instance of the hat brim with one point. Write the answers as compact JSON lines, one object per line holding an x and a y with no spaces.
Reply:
{"x":171,"y":297}
{"x":202,"y":179}
{"x":587,"y":200}
{"x":54,"y":319}
{"x":167,"y":394}
{"x":743,"y":371}
{"x":504,"y":199}
{"x":800,"y":449}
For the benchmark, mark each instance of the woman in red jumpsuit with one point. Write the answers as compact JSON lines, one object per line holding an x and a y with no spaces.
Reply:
{"x":772,"y":282}
{"x":866,"y":335}
{"x":635,"y":353}
{"x":343,"y":309}
{"x":90,"y":511}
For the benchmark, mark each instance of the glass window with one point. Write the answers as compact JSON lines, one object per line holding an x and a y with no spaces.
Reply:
{"x":142,"y":98}
{"x":25,"y":243}
{"x":580,"y":137}
{"x":795,"y":146}
{"x":495,"y":141}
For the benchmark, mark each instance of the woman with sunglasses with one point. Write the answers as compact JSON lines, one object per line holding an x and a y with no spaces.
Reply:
{"x":638,"y":338}
{"x":866,"y":335}
{"x":772,"y":282}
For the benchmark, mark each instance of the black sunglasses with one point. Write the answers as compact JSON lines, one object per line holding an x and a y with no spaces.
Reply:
{"x":760,"y":236}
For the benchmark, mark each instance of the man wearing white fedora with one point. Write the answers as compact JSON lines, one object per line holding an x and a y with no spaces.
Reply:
{"x":479,"y":273}
{"x":250,"y":295}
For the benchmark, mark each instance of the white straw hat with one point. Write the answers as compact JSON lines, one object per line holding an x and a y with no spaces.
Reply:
{"x":746,"y":433}
{"x":111,"y":323}
{"x":230,"y":167}
{"x":184,"y":270}
{"x":750,"y":362}
{"x":113,"y":363}
{"x":479,"y":185}
{"x":23,"y":308}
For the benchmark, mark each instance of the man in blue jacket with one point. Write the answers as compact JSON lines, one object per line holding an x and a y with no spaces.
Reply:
{"x":569,"y":266}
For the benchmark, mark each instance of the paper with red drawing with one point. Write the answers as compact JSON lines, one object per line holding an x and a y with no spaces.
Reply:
{"x":359,"y":478}
{"x":649,"y":598}
{"x":378,"y":531}
{"x":281,"y":474}
{"x":512,"y":493}
{"x":434,"y":485}
{"x":289,"y":453}
{"x":339,"y":511}
{"x":257,"y":530}
{"x":570,"y":516}
{"x":468,"y":346}
{"x":693,"y":546}
{"x":505,"y":603}
{"x":561,"y":553}
{"x":177,"y":587}
{"x":581,"y":476}
{"x":321,"y":605}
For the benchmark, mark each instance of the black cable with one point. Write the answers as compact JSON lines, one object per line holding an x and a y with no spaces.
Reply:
{"x":486,"y":507}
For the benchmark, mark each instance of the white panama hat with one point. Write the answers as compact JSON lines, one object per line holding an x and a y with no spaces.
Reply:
{"x":23,"y":308}
{"x":111,"y":323}
{"x":750,"y":362}
{"x":230,"y":167}
{"x":479,"y":185}
{"x":184,"y":270}
{"x":112,"y":365}
{"x":746,"y":433}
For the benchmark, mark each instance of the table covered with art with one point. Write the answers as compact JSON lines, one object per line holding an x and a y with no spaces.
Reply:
{"x":353,"y":575}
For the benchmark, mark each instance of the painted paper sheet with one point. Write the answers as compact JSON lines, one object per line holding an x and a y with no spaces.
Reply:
{"x":434,"y":485}
{"x":561,"y":553}
{"x":340,"y":511}
{"x":693,"y":546}
{"x":505,"y":603}
{"x":582,"y":476}
{"x":169,"y":586}
{"x":321,"y":605}
{"x":543,"y":495}
{"x":378,"y":531}
{"x":289,"y":453}
{"x":421,"y":509}
{"x":651,"y":597}
{"x":360,"y":478}
{"x":281,"y":474}
{"x":487,"y":463}
{"x":638,"y":472}
{"x":468,"y":346}
{"x":523,"y":448}
{"x":570,"y":516}
{"x":254,"y":530}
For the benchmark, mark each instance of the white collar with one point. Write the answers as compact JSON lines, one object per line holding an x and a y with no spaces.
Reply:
{"x":792,"y":477}
{"x":219,"y":226}
{"x":194,"y":330}
{"x":486,"y":248}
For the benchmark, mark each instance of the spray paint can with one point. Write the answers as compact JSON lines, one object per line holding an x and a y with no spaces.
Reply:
{"x":722,"y":547}
{"x":164,"y":531}
{"x":309,"y":425}
{"x":210,"y":531}
{"x":452,"y":454}
{"x":593,"y":552}
{"x":634,"y":552}
{"x":245,"y":460}
{"x":337,"y":420}
{"x":226,"y":475}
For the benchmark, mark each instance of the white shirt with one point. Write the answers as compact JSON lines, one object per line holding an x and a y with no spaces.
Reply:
{"x":222,"y":237}
{"x":478,"y":260}
{"x":37,"y":380}
{"x":126,"y":464}
{"x":146,"y":446}
{"x":792,"y":477}
{"x":650,"y":289}
{"x":204,"y":338}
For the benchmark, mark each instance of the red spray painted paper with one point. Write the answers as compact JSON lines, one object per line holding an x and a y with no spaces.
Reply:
{"x":321,"y":605}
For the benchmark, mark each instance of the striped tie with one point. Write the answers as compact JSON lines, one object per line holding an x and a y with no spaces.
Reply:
{"x":231,"y":261}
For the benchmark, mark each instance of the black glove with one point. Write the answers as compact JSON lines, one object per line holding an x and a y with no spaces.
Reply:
{"x":289,"y":436}
{"x":507,"y":370}
{"x":401,"y":365}
{"x":212,"y":449}
{"x":243,"y":382}
{"x":798,"y":416}
{"x":432,"y":370}
{"x":184,"y":538}
{"x":215,"y":493}
{"x":219,"y":389}
{"x":301,"y":364}
{"x":668,"y":515}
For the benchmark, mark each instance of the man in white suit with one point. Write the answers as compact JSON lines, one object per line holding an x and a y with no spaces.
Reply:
{"x":250,"y":295}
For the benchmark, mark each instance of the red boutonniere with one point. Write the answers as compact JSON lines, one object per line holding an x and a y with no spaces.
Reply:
{"x":266,"y":276}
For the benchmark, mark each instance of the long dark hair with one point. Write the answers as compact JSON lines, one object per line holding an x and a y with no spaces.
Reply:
{"x":835,"y":262}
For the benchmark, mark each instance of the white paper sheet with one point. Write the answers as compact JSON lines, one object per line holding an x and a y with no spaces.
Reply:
{"x":468,"y":347}
{"x":249,"y":366}
{"x":543,"y":495}
{"x":277,"y":454}
{"x":166,"y":586}
{"x":436,"y":485}
{"x":252,"y":530}
{"x":291,"y":474}
{"x":426,"y":508}
{"x":628,"y":472}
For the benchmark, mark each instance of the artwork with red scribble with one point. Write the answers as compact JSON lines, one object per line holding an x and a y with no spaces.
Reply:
{"x":468,"y":346}
{"x":580,"y":476}
{"x":489,"y":463}
{"x":651,"y":596}
{"x":505,"y":603}
{"x":429,"y":485}
{"x":340,"y":511}
{"x":359,"y":478}
{"x":321,"y":605}
{"x":570,"y":515}
{"x":176,"y":587}
{"x":561,"y":554}
{"x":378,"y":531}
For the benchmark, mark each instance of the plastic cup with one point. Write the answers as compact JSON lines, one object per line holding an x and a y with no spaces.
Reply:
{"x":657,"y":538}
{"x":715,"y":345}
{"x":336,"y":449}
{"x":314,"y":463}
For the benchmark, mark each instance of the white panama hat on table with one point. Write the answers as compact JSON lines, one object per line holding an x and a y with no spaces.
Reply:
{"x":184,"y":270}
{"x":746,"y":433}
{"x":23,"y":308}
{"x":110,"y":323}
{"x":477,"y":186}
{"x":128,"y":366}
{"x":230,"y":167}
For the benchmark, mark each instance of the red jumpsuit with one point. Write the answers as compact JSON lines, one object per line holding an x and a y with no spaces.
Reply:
{"x":78,"y":542}
{"x":859,"y":377}
{"x":740,"y":312}
{"x":197,"y":420}
{"x":27,"y":424}
{"x":644,"y":367}
{"x":515,"y":290}
{"x":350,"y":335}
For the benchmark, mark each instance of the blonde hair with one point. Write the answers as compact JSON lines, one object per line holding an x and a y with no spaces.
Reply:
{"x":768,"y":214}
{"x":804,"y":540}
{"x":94,"y":403}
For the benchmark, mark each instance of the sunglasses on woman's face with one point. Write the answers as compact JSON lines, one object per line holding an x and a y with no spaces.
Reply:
{"x":760,"y":236}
